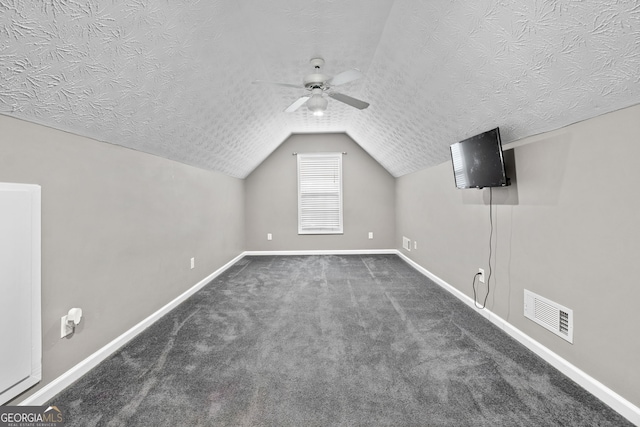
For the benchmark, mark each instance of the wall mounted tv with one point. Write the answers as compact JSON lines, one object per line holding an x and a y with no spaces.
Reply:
{"x":478,"y":161}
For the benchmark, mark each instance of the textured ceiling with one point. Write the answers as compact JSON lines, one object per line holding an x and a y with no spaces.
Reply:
{"x":173,"y":78}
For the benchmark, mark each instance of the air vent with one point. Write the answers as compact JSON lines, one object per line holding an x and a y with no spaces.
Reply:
{"x":549,"y":314}
{"x":406,"y":243}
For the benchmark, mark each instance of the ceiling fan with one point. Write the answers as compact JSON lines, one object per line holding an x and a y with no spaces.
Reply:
{"x":319,"y":85}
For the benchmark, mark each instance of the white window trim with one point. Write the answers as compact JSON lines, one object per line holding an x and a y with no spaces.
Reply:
{"x":319,"y":229}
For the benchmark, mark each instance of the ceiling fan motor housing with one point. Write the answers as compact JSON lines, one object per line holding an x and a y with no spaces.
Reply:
{"x":316,"y":81}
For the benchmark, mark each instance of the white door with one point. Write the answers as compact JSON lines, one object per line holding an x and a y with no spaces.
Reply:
{"x":19,"y":288}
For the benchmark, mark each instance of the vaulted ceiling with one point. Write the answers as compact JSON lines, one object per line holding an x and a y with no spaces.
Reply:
{"x":174,"y":78}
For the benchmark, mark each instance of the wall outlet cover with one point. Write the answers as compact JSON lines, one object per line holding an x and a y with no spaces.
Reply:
{"x":406,"y":243}
{"x":65,"y":329}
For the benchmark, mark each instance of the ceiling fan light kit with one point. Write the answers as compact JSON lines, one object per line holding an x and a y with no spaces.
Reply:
{"x":317,"y":104}
{"x":320,"y":84}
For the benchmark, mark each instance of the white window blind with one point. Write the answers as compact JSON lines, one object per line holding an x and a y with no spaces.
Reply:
{"x":320,"y":193}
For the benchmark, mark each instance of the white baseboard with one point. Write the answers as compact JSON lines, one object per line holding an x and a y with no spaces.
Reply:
{"x":50,"y":390}
{"x":593,"y":386}
{"x":327,"y":252}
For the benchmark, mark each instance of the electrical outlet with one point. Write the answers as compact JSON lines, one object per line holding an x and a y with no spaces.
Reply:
{"x":65,"y":329}
{"x":481,"y":276}
{"x":406,"y":243}
{"x":371,"y":235}
{"x":269,"y":236}
{"x":193,"y":263}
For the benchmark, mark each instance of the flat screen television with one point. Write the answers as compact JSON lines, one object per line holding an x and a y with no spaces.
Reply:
{"x":478,"y":161}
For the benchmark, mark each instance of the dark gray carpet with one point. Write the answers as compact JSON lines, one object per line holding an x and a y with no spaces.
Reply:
{"x":321,"y":341}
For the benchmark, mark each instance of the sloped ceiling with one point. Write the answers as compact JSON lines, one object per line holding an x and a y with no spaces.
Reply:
{"x":173,"y":78}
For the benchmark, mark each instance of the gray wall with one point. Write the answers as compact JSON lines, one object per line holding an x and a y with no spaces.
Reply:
{"x":272,"y":203}
{"x":568,"y":230}
{"x":119,"y":228}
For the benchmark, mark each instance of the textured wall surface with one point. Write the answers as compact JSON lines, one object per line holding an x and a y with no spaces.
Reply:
{"x":174,"y":78}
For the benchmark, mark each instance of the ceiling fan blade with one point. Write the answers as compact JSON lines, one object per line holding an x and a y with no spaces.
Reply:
{"x":361,"y":105}
{"x":258,"y":82}
{"x":345,"y":77}
{"x":297,"y":104}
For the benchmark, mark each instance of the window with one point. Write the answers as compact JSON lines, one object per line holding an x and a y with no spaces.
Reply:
{"x":320,"y":193}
